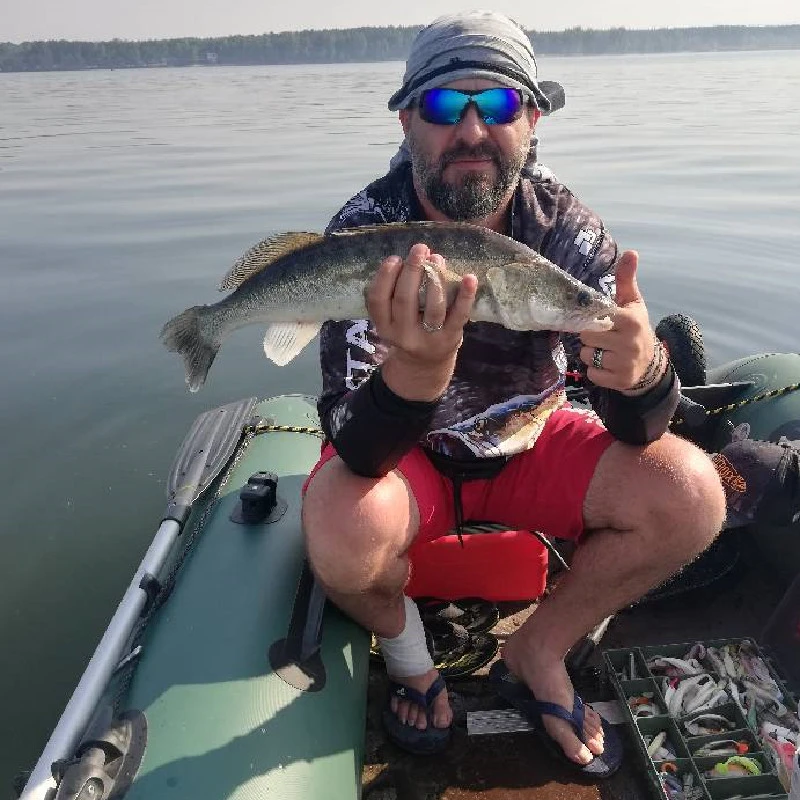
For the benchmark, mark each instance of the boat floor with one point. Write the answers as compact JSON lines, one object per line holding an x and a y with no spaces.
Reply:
{"x":514,"y":766}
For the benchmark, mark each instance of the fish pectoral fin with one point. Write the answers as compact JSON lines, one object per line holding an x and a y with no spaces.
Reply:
{"x":284,"y":340}
{"x":504,"y":286}
{"x":262,"y":255}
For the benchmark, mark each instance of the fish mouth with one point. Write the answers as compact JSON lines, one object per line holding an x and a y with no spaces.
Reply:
{"x":599,"y":322}
{"x":596,"y":319}
{"x":594,"y":312}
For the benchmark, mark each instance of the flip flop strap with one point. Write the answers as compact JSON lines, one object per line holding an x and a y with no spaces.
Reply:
{"x":403,"y":692}
{"x":575,"y":719}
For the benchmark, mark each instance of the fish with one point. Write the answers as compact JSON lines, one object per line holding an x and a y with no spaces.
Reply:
{"x":295,"y":282}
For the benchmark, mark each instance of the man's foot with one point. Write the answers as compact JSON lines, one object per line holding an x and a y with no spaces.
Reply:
{"x":547,"y":679}
{"x":419,"y":716}
{"x":412,"y":714}
{"x":520,"y":696}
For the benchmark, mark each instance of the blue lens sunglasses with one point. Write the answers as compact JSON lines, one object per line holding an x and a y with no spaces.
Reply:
{"x":499,"y":106}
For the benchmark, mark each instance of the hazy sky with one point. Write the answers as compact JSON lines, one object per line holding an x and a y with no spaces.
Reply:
{"x":22,"y":20}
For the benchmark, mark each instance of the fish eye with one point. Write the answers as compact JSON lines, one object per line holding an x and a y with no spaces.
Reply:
{"x":584,"y":298}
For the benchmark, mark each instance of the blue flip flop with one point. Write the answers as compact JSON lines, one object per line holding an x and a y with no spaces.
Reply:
{"x":515,"y":692}
{"x":419,"y":742}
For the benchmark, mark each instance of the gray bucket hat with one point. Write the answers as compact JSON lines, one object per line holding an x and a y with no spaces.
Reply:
{"x":475,"y":44}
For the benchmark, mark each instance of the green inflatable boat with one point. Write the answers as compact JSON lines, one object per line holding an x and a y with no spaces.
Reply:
{"x":223,"y":673}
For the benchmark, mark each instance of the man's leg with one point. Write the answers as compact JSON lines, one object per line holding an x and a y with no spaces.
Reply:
{"x":647,"y":512}
{"x":358,"y":532}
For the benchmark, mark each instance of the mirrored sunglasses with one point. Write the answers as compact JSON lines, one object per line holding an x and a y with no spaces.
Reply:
{"x":499,"y":106}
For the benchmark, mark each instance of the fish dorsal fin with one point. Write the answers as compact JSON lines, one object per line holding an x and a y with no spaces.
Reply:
{"x":262,"y":255}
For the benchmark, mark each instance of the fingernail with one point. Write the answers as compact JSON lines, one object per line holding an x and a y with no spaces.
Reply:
{"x":394,"y":261}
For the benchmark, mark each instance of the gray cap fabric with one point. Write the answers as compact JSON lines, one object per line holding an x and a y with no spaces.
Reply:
{"x":475,"y":44}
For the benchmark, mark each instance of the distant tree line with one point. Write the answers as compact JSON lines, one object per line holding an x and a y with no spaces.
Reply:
{"x":369,"y":44}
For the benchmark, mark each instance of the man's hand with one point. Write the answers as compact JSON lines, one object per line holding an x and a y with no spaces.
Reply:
{"x":423,"y":346}
{"x":628,"y":347}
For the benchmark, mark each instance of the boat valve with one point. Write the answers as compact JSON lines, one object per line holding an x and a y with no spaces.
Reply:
{"x":258,"y":500}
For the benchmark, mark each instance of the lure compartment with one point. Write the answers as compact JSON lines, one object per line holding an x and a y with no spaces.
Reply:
{"x":630,"y":677}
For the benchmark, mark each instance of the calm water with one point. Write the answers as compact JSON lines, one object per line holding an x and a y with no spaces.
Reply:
{"x":124,"y":196}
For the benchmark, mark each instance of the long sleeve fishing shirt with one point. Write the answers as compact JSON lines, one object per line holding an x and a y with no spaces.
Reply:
{"x":506,"y":383}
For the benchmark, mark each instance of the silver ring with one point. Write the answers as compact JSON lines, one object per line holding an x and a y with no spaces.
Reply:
{"x":428,"y":328}
{"x":597,"y":358}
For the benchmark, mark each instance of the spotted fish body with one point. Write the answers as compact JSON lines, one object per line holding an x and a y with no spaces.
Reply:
{"x":294,"y":282}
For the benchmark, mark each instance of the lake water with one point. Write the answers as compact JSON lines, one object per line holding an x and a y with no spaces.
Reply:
{"x":125,"y":195}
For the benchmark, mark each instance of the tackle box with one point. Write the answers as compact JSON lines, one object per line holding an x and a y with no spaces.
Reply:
{"x":620,"y":662}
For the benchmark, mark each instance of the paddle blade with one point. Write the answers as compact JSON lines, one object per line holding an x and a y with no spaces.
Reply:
{"x":206,"y":449}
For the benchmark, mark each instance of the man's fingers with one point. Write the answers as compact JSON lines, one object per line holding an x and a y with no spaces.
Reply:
{"x":429,"y":333}
{"x":435,"y":309}
{"x":607,"y":339}
{"x":600,"y":364}
{"x":458,"y":315}
{"x":627,"y":322}
{"x":381,"y":290}
{"x":627,"y":290}
{"x":406,"y":291}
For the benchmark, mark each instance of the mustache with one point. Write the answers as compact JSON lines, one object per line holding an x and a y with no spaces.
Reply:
{"x":484,"y":150}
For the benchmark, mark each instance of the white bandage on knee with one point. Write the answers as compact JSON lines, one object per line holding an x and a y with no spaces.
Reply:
{"x":407,"y":654}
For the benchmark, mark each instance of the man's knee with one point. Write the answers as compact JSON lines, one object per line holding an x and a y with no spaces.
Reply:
{"x":353,"y":525}
{"x":686,"y":489}
{"x":670,"y":485}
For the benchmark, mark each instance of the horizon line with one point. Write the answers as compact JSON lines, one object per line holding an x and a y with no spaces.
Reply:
{"x":408,"y":27}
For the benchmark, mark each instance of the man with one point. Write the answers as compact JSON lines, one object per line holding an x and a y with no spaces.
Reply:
{"x":432,"y":420}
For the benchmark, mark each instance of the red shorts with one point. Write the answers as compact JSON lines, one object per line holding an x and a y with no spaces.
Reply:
{"x":542,"y":489}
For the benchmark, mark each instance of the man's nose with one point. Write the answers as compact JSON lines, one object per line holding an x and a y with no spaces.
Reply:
{"x":472,"y":128}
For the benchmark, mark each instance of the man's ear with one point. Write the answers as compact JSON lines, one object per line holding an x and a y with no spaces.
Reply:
{"x":533,"y":116}
{"x":405,"y":118}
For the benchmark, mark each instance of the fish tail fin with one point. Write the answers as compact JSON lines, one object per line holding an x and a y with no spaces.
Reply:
{"x":186,"y":334}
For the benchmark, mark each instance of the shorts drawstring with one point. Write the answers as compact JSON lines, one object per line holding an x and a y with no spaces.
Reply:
{"x":458,"y":507}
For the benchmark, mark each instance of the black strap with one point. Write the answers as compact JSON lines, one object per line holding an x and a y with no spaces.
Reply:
{"x":457,"y":63}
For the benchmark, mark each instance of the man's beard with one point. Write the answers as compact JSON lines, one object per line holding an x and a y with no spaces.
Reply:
{"x":476,"y":195}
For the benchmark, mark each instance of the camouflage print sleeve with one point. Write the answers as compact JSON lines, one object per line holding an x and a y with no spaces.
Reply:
{"x":363,"y":209}
{"x":579,"y":243}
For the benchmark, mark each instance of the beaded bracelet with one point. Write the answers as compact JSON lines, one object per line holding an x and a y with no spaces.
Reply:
{"x":653,"y":371}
